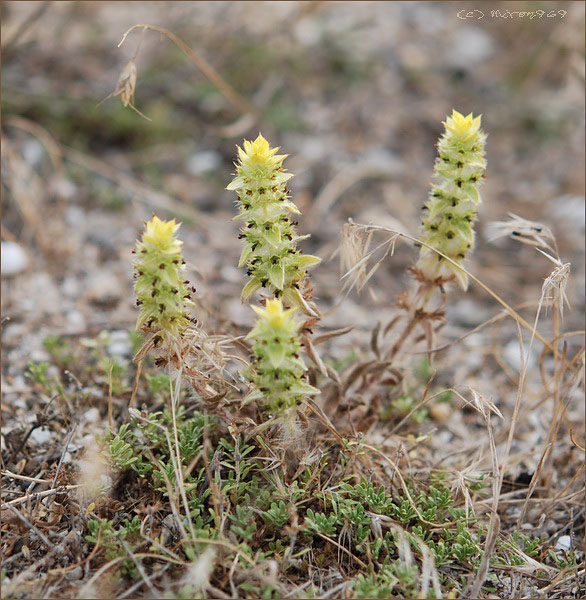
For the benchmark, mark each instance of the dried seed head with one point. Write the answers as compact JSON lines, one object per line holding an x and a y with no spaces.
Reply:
{"x":126,"y":87}
{"x":553,"y":290}
{"x":527,"y":232}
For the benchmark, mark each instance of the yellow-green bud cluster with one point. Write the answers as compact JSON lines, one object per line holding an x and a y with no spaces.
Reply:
{"x":453,"y":202}
{"x":277,"y":371}
{"x":162,"y":292}
{"x":270,"y":240}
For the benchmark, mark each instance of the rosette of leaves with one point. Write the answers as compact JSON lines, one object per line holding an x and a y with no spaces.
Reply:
{"x":453,"y":202}
{"x":163,"y":294}
{"x":277,"y":372}
{"x":270,"y":239}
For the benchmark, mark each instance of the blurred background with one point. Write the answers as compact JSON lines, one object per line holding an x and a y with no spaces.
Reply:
{"x":354,"y":92}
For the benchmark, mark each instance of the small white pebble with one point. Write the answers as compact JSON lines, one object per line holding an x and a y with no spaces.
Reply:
{"x":92,"y":415}
{"x":512,"y":355}
{"x":120,"y":344}
{"x":564,"y":543}
{"x":204,"y":162}
{"x":102,"y":286}
{"x":106,"y":481}
{"x":71,"y":287}
{"x":75,"y":216}
{"x":74,"y":574}
{"x":307,"y":31}
{"x":40,"y":436}
{"x":38,"y":355}
{"x":92,"y":392}
{"x":75,"y":320}
{"x":63,"y":187}
{"x":230,"y":273}
{"x":14,"y":259}
{"x":471,"y":46}
{"x":33,"y":152}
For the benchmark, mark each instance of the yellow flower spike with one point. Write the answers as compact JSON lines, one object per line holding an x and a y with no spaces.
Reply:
{"x":270,"y":251}
{"x":453,"y":202}
{"x":259,"y":148}
{"x":274,"y":308}
{"x":278,"y":370}
{"x":273,"y":314}
{"x":159,"y":232}
{"x":259,"y":154}
{"x":163,"y":294}
{"x":463,"y":127}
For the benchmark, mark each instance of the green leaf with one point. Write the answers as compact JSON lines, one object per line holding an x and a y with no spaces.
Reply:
{"x":235,"y":184}
{"x":249,"y":289}
{"x":272,"y":236}
{"x":281,"y":177}
{"x":470,"y":190}
{"x":307,"y":260}
{"x":255,"y":395}
{"x":291,"y":207}
{"x":277,"y":276}
{"x":276,"y":354}
{"x":465,"y":229}
{"x":461,"y":277}
{"x":245,"y":255}
{"x":292,"y":296}
{"x":304,"y":388}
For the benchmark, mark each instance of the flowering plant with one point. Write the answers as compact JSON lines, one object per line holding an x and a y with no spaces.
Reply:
{"x":270,"y":250}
